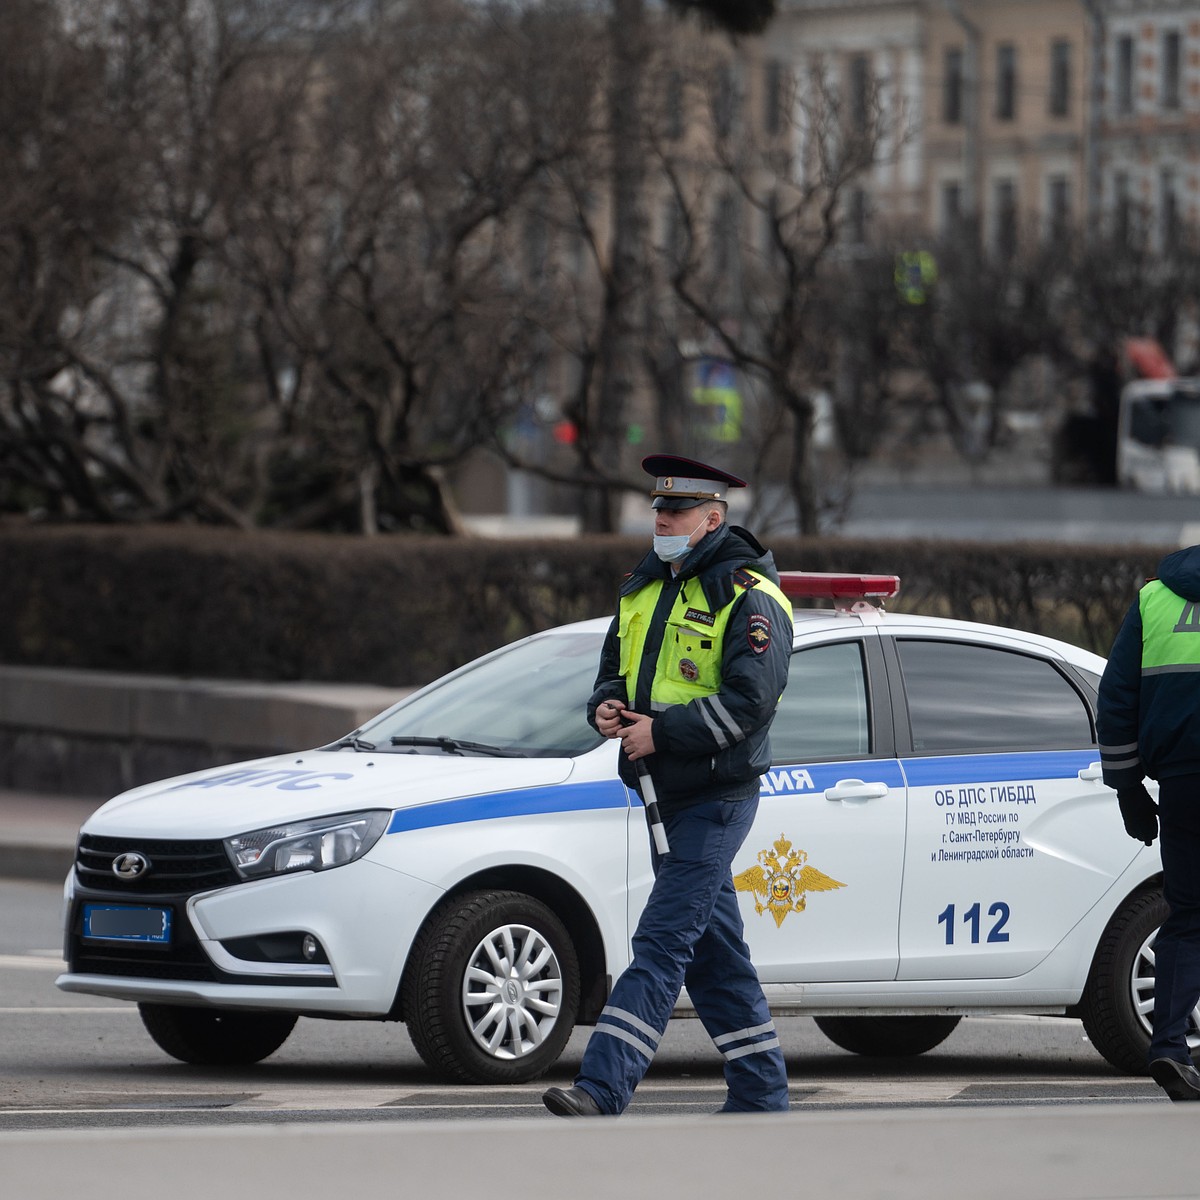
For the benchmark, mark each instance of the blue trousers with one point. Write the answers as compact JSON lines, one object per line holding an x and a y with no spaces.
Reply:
{"x":691,"y":932}
{"x":1177,"y":948}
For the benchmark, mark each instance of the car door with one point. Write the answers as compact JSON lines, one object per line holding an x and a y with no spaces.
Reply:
{"x":1008,"y":845}
{"x":821,"y":869}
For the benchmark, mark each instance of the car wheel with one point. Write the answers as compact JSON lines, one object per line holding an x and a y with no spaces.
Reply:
{"x":210,"y":1037}
{"x":1118,"y":1002}
{"x":887,"y":1037}
{"x":491,"y":990}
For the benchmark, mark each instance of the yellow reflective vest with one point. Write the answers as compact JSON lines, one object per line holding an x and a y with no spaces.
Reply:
{"x":689,"y":661}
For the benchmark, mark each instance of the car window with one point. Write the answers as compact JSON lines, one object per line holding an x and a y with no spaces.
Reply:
{"x":964,"y":696}
{"x":823,"y":713}
{"x":529,"y":698}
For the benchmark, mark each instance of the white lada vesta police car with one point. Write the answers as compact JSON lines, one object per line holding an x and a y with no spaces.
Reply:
{"x":933,"y":840}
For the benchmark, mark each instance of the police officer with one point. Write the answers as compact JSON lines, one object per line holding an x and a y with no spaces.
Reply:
{"x":1149,"y":725}
{"x":690,"y":677}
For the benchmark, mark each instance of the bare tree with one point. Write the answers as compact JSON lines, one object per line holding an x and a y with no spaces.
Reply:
{"x":397,"y":290}
{"x":760,"y":235}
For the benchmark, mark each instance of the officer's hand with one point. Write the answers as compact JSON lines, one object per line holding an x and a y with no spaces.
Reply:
{"x":608,"y":717}
{"x":637,"y":735}
{"x":1139,"y":813}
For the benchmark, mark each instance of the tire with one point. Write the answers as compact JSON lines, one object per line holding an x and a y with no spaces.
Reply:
{"x":210,"y":1037}
{"x":1118,"y":1001}
{"x":491,"y":990}
{"x":887,"y":1037}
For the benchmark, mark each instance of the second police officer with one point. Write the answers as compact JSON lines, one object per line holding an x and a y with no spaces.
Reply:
{"x":1148,"y":722}
{"x":690,"y":677}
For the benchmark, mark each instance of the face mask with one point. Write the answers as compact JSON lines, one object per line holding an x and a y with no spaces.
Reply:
{"x":671,"y":548}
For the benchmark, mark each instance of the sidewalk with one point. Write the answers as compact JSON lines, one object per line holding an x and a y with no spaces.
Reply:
{"x":74,"y":738}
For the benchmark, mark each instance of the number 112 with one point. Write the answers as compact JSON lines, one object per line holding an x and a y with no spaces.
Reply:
{"x":999,"y":910}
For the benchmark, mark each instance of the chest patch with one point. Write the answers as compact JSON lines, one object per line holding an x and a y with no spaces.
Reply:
{"x":758,"y":633}
{"x":700,"y":617}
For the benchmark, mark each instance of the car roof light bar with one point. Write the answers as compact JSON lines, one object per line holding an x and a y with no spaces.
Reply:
{"x":849,"y":593}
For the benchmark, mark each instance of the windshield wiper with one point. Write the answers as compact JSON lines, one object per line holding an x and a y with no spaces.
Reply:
{"x":456,"y":746}
{"x":352,"y":739}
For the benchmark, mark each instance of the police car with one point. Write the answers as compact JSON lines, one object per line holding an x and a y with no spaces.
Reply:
{"x":933,"y":840}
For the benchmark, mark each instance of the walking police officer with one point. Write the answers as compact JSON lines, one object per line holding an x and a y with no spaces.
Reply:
{"x":1149,"y":725}
{"x":690,"y":677}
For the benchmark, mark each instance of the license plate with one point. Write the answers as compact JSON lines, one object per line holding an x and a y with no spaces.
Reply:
{"x":127,"y":923}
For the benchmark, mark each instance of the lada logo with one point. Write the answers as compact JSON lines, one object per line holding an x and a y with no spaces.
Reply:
{"x":781,"y":879}
{"x":130,"y":865}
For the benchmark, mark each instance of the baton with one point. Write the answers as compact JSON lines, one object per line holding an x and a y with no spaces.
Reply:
{"x":658,"y":831}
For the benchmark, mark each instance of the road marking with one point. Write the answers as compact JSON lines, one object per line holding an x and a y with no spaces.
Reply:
{"x":32,"y":1010}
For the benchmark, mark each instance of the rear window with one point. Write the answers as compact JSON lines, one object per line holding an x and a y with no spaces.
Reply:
{"x":964,"y":697}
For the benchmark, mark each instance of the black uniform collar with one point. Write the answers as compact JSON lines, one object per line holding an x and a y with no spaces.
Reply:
{"x":712,"y":560}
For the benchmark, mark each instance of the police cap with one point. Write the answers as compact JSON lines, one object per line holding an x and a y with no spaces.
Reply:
{"x":684,"y":483}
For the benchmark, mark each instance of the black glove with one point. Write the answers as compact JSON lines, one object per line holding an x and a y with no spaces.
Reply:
{"x":1139,"y":813}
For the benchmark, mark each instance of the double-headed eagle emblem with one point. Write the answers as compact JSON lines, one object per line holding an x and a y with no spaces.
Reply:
{"x":781,"y":881}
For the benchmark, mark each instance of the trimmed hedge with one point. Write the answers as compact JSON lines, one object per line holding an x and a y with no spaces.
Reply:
{"x":399,"y":611}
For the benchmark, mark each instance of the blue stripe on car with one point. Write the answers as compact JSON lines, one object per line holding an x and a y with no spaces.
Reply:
{"x":577,"y":797}
{"x":994,"y":768}
{"x":798,"y":778}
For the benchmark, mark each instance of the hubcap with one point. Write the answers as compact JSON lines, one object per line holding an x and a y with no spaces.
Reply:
{"x":512,"y":991}
{"x":1141,"y":992}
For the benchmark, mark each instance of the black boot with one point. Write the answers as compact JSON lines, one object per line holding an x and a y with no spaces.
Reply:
{"x":571,"y":1102}
{"x":1181,"y":1081}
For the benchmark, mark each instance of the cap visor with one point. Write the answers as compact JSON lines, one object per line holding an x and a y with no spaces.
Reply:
{"x":677,"y":502}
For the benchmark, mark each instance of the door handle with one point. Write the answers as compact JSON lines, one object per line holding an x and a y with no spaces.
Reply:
{"x":1092,"y":773}
{"x":856,"y":789}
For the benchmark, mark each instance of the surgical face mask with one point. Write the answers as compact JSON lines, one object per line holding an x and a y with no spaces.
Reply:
{"x":670,"y":548}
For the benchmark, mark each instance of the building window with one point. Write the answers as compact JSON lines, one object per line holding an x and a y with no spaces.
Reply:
{"x":674,"y":232}
{"x":1124,"y":85}
{"x":725,"y":235}
{"x":725,"y":101}
{"x":1005,"y":217}
{"x":951,"y":207}
{"x":773,"y":97}
{"x":1006,"y":82}
{"x":952,"y":87}
{"x":1058,"y":203}
{"x":860,"y":92}
{"x":674,"y":105}
{"x":1060,"y":78}
{"x":1168,"y":209}
{"x":1171,"y":61}
{"x":856,"y":222}
{"x":1122,"y":209}
{"x":537,"y":245}
{"x":772,"y":250}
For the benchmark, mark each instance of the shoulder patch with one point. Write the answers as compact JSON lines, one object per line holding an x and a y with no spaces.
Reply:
{"x":758,"y":633}
{"x":744,"y":579}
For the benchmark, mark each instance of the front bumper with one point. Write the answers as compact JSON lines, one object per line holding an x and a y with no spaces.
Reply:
{"x":363,"y":915}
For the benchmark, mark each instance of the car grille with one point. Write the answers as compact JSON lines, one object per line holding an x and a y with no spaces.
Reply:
{"x":191,"y":866}
{"x":177,"y":871}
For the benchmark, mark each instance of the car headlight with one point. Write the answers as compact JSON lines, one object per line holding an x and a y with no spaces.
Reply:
{"x":305,"y":845}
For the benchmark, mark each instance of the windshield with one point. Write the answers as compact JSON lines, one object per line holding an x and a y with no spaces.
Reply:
{"x":528,"y":699}
{"x":1172,"y":420}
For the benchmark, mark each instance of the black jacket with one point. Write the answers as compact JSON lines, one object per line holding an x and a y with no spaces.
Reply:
{"x":699,"y":755}
{"x":1149,"y":724}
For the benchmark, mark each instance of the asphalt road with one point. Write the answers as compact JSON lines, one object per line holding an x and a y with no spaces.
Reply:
{"x":78,"y":1062}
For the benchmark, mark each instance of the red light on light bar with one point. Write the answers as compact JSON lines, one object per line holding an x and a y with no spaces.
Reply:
{"x":833,"y":585}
